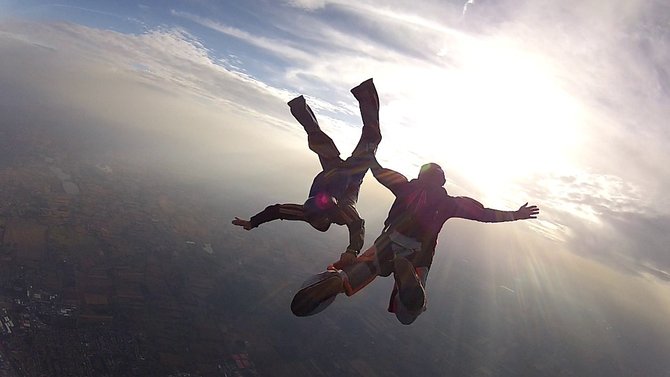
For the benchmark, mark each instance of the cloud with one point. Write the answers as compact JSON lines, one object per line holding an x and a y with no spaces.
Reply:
{"x":309,"y":5}
{"x":589,"y":76}
{"x":605,"y":218}
{"x":168,"y":55}
{"x":279,"y":48}
{"x":92,"y":96}
{"x":610,"y":58}
{"x":321,"y":58}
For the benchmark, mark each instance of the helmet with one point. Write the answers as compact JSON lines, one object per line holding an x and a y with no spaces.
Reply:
{"x":317,"y":210}
{"x":432,"y":174}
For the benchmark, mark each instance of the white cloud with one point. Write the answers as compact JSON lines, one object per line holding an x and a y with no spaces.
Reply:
{"x":307,"y":4}
{"x":281,"y":49}
{"x":588,"y":75}
{"x":169,"y":55}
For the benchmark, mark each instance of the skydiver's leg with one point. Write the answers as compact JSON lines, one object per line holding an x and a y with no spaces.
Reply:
{"x":401,"y":311}
{"x":368,"y":102}
{"x":374,"y":262}
{"x":364,"y":152}
{"x":362,"y":272}
{"x":320,"y":290}
{"x":318,"y":141}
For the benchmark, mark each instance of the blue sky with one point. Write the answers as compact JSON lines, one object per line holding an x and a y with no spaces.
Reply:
{"x":562,"y":104}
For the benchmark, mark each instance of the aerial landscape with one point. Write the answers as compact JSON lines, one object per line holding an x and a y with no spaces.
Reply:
{"x":131,"y":137}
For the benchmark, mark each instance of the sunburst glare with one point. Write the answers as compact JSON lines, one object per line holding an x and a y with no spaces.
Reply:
{"x":499,"y":116}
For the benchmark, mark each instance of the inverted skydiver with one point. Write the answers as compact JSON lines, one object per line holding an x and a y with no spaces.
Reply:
{"x":334,"y":192}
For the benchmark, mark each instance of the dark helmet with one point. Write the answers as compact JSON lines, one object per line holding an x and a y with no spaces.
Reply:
{"x":318,"y":209}
{"x":432,"y":174}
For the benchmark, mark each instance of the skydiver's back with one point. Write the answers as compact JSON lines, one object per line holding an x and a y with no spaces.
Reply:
{"x":414,"y":212}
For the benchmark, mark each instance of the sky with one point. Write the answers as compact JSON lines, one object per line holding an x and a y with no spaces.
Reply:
{"x":560,"y":104}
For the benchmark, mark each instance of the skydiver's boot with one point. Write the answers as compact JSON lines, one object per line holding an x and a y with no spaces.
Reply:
{"x":366,"y":93}
{"x":318,"y":141}
{"x":410,"y":291}
{"x":317,"y":293}
{"x":302,"y":112}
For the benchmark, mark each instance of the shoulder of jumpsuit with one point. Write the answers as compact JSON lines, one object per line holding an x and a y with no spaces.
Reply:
{"x":447,"y":204}
{"x":405,"y":188}
{"x":460,"y":205}
{"x":449,"y":200}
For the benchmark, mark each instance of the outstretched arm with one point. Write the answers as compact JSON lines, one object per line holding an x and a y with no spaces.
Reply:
{"x":387,"y":177}
{"x":246,"y":224}
{"x":468,"y":208}
{"x":270,"y":213}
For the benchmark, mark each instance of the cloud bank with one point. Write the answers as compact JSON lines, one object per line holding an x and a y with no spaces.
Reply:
{"x":581,"y":85}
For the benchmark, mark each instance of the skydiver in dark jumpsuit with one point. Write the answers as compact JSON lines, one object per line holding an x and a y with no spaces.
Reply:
{"x":334,"y":192}
{"x":406,"y":245}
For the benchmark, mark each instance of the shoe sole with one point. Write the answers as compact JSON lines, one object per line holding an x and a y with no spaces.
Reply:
{"x":297,"y":101}
{"x":410,"y":291}
{"x":309,"y":298}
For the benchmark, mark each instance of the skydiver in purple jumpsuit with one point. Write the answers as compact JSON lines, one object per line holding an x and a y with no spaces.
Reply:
{"x":334,"y":192}
{"x":406,"y":245}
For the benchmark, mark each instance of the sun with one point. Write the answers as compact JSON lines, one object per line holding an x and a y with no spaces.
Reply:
{"x":501,"y":117}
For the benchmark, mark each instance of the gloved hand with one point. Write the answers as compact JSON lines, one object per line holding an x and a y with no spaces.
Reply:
{"x":346,"y":259}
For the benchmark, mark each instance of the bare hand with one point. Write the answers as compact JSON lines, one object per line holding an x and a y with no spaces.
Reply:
{"x":526,"y":212}
{"x":246,"y":224}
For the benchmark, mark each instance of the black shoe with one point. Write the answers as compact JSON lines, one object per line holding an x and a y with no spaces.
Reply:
{"x":410,"y":291}
{"x":309,"y":299}
{"x":297,"y":101}
{"x":366,"y":91}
